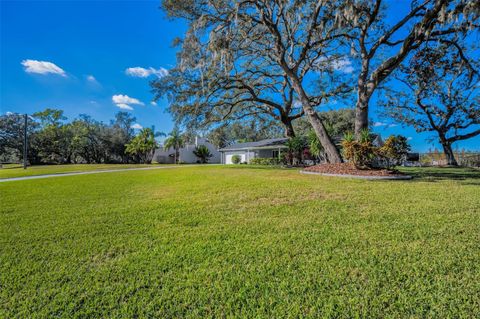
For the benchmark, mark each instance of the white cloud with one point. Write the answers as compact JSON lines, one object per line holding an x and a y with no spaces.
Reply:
{"x":91,"y":78}
{"x":341,"y":64}
{"x":8,"y":113}
{"x":377,"y":124}
{"x":121,"y":98}
{"x":144,"y":73}
{"x":409,"y":138}
{"x":124,"y":101}
{"x":124,"y":106}
{"x":42,"y":67}
{"x":136,"y":126}
{"x":153,"y":103}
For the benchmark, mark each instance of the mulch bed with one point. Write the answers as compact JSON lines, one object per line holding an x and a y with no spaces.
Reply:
{"x":349,"y":169}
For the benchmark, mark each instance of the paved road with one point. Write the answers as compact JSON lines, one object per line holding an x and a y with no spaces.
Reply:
{"x":85,"y":173}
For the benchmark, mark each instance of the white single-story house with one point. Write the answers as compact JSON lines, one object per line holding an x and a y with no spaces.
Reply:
{"x":186,"y":155}
{"x":269,"y":148}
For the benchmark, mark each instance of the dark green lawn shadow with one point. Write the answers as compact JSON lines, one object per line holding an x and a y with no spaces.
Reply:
{"x":466,"y":175}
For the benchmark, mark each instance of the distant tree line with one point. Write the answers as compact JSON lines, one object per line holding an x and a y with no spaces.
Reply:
{"x":53,"y":140}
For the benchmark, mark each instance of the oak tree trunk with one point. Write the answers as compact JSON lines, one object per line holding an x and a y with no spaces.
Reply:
{"x":361,"y":116}
{"x":447,"y":150}
{"x":289,"y":131}
{"x":331,"y":151}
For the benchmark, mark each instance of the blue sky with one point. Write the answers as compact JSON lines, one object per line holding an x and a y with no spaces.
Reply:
{"x":94,"y":42}
{"x":90,"y":45}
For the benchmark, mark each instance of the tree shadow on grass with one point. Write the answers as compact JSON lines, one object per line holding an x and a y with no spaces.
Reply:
{"x":467,"y":176}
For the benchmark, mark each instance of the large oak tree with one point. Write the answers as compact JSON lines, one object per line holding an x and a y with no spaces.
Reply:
{"x":281,"y":45}
{"x":381,"y":42}
{"x":440,"y":94}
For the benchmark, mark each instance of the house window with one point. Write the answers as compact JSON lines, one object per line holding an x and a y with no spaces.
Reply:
{"x":275,"y":154}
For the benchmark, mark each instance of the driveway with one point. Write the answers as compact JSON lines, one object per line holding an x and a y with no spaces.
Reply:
{"x":12,"y":179}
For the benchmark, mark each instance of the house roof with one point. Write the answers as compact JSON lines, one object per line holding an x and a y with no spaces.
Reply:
{"x":272,"y":142}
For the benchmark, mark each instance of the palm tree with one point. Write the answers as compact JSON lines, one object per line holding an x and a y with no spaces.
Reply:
{"x":175,"y":141}
{"x":142,"y":145}
{"x":203,"y":153}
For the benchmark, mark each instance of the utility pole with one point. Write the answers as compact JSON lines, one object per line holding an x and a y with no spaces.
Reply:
{"x":25,"y":142}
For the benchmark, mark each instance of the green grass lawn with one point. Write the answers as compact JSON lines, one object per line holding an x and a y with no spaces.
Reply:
{"x":240,"y":242}
{"x":10,"y":171}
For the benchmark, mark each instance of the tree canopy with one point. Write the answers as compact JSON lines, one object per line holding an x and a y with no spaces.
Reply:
{"x":440,"y":94}
{"x":270,"y":49}
{"x":54,"y":140}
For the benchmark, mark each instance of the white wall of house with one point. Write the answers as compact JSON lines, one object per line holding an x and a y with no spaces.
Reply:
{"x":163,"y":156}
{"x":186,"y":153}
{"x":242,"y":153}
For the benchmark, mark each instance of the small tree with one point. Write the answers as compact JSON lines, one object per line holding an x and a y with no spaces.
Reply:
{"x":203,"y":153}
{"x":142,"y":146}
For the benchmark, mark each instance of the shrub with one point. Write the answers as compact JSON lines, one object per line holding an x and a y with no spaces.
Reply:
{"x":314,"y":144}
{"x":360,"y":152}
{"x":236,"y":159}
{"x":265,"y":161}
{"x":394,"y":150}
{"x":295,"y":146}
{"x":203,"y":153}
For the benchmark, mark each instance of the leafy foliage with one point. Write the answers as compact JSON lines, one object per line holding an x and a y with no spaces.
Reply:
{"x":314,"y":145}
{"x":236,"y":159}
{"x":363,"y":153}
{"x":394,"y":150}
{"x":176,"y":141}
{"x":360,"y":152}
{"x":12,"y":136}
{"x":265,"y":161}
{"x":295,"y":150}
{"x":203,"y":153}
{"x":142,"y":146}
{"x":53,"y":140}
{"x":337,"y":123}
